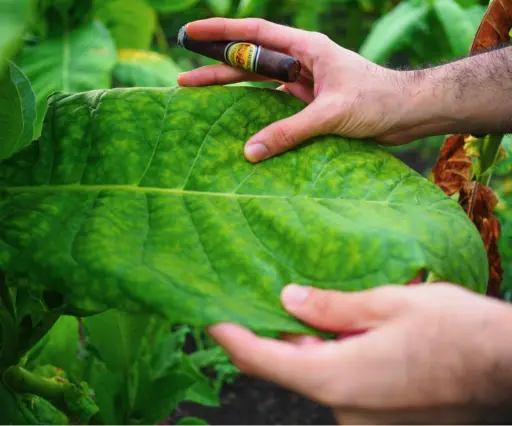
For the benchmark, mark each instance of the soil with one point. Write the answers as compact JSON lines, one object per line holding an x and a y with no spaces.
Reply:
{"x":254,"y":402}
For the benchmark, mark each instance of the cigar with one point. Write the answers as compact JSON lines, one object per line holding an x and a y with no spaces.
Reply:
{"x":247,"y":56}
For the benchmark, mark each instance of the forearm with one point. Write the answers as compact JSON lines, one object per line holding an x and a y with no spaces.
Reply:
{"x":472,"y":95}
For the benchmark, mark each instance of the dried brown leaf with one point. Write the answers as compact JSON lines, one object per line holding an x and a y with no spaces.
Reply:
{"x":453,"y":168}
{"x":479,"y":202}
{"x":495,"y":26}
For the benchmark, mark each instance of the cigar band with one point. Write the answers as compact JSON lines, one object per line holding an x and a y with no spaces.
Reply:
{"x":242,"y":55}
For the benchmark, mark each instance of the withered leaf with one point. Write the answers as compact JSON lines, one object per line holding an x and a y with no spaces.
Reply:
{"x":479,"y":202}
{"x":453,"y":168}
{"x":495,"y":26}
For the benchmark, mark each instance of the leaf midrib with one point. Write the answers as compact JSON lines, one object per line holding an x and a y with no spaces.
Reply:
{"x":181,"y":192}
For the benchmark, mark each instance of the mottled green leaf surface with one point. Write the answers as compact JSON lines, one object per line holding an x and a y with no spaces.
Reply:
{"x":141,"y":199}
{"x":17,"y":111}
{"x":79,"y":60}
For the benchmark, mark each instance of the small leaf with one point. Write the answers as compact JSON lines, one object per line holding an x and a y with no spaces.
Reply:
{"x":130,"y":22}
{"x":394,"y":28}
{"x":59,"y":347}
{"x":457,"y":25}
{"x":156,"y":399}
{"x":191,"y":421}
{"x":109,"y":392}
{"x":117,"y":337}
{"x":219,"y":7}
{"x":15,"y":15}
{"x":17,"y":111}
{"x":35,"y":410}
{"x":201,"y":390}
{"x":145,"y":69}
{"x":141,"y":199}
{"x":76,"y":61}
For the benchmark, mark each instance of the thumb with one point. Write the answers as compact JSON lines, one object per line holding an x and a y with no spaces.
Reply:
{"x":338,"y":312}
{"x":285,"y":134}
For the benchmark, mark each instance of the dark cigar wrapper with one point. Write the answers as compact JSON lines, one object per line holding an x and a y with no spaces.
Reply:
{"x":247,"y":56}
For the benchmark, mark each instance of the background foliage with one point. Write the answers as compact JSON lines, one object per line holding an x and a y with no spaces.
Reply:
{"x":79,"y":45}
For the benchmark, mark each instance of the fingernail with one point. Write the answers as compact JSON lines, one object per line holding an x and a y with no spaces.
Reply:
{"x":256,"y":152}
{"x":295,"y":295}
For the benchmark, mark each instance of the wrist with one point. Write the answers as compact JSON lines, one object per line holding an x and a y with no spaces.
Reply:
{"x":425,"y":108}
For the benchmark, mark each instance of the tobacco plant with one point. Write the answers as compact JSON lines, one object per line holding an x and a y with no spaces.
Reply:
{"x":129,"y":219}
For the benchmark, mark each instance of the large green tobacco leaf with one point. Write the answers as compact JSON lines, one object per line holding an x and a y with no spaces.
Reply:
{"x":15,"y":15}
{"x":131,"y":22}
{"x":141,"y":199}
{"x":141,"y":68}
{"x":76,"y":61}
{"x":17,"y":111}
{"x":393,"y":29}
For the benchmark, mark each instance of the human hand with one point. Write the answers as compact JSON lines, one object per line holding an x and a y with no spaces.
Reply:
{"x":425,"y":354}
{"x":347,"y":94}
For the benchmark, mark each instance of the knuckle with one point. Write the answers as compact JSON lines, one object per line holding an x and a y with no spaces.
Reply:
{"x":243,"y":363}
{"x":320,"y":37}
{"x":320,"y":302}
{"x":283,"y":136}
{"x":255,"y":26}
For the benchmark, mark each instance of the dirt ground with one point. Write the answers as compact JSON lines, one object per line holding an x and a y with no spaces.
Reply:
{"x":254,"y":402}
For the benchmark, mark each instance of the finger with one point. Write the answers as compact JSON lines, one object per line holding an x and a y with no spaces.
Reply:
{"x":304,"y":93}
{"x":301,"y":369}
{"x":268,"y":34}
{"x":342,"y":312}
{"x":302,"y":89}
{"x":218,"y":74}
{"x":301,"y":340}
{"x":283,"y":135}
{"x":283,"y":88}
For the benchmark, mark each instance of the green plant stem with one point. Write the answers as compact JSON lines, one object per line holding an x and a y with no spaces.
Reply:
{"x":57,"y":393}
{"x":488,"y":157}
{"x":23,"y":381}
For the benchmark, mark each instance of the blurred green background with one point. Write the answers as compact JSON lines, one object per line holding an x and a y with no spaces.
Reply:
{"x":78,"y":45}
